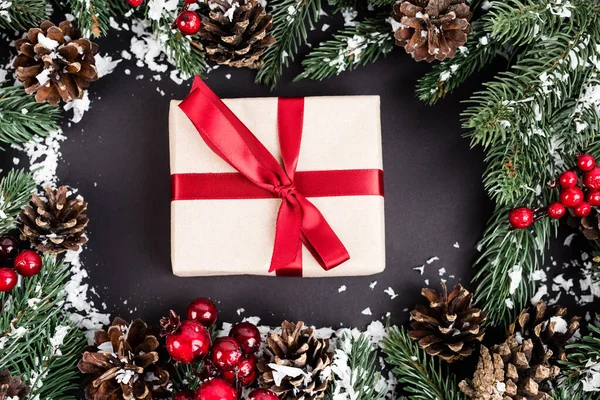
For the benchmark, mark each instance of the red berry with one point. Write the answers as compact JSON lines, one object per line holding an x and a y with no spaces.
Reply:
{"x":556,"y":210}
{"x":203,"y":310}
{"x":190,"y":1}
{"x":591,"y":179}
{"x":184,"y":395}
{"x":226,"y":353}
{"x":520,"y":218}
{"x":568,"y":179}
{"x":8,"y":279}
{"x":593,"y":198}
{"x":215,"y":389}
{"x":582,"y":210}
{"x":245,"y":373}
{"x":571,"y":197}
{"x":135,"y":3}
{"x":8,"y":247}
{"x":585,"y":162}
{"x":190,"y":342}
{"x":247,"y":335}
{"x":188,"y":22}
{"x":28,"y":263}
{"x":262,"y":394}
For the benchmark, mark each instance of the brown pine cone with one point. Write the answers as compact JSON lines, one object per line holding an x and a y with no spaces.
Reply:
{"x":236,"y":32}
{"x":547,"y":327}
{"x":513,"y":370}
{"x":123,"y":364}
{"x":56,"y":223}
{"x":449,"y":326}
{"x":295,"y":362}
{"x":12,"y":388}
{"x":590,"y":225}
{"x":55,"y":62}
{"x":432,"y":29}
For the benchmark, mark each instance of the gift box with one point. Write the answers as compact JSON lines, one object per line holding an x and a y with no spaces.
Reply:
{"x":268,"y":186}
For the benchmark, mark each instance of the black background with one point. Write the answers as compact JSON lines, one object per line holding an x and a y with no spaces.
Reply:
{"x":118,"y":158}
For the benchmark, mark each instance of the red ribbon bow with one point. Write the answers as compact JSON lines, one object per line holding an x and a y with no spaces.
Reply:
{"x":298,"y":220}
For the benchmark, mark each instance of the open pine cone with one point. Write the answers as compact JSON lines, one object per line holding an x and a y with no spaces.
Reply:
{"x":590,"y":225}
{"x":295,"y":363}
{"x":449,"y":326}
{"x":547,"y":327}
{"x":432,"y":29}
{"x":513,"y":370}
{"x":123,"y":364}
{"x":236,"y":32}
{"x":56,"y":223}
{"x":12,"y":388}
{"x":55,"y":62}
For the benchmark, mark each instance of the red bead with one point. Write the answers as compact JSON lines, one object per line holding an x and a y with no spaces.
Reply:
{"x":245,"y":373}
{"x":247,"y":335}
{"x":571,"y":197}
{"x":188,"y":22}
{"x":203,"y":310}
{"x":262,"y":394}
{"x":8,"y":279}
{"x":215,"y":389}
{"x":28,"y":263}
{"x":586,"y":162}
{"x":226,"y":353}
{"x":520,"y":218}
{"x":593,"y":198}
{"x":582,"y":210}
{"x":568,"y":179}
{"x":591,"y":179}
{"x":8,"y":247}
{"x":135,"y":3}
{"x":184,"y":395}
{"x":189,"y":343}
{"x":556,"y":210}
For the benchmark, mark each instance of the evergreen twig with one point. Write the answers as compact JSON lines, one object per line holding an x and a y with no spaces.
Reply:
{"x":23,"y":14}
{"x":580,"y":357}
{"x":92,"y":16}
{"x":16,"y":189}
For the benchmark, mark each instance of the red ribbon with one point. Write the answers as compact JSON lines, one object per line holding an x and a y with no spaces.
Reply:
{"x":298,"y":220}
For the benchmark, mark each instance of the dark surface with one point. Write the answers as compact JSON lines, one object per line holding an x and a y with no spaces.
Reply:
{"x":118,"y":158}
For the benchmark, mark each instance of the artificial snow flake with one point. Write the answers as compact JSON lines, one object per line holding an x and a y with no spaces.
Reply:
{"x":366,"y":311}
{"x":515,"y":275}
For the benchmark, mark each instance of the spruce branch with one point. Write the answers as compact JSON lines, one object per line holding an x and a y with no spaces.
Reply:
{"x":16,"y":189}
{"x":291,"y":20}
{"x":422,"y":375}
{"x":186,"y":54}
{"x":383,"y":3}
{"x":22,"y":119}
{"x":351,"y":47}
{"x":92,"y":16}
{"x":20,"y":15}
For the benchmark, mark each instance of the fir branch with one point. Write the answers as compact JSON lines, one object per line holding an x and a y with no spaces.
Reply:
{"x":423,"y":376}
{"x":383,"y":3}
{"x":17,"y":125}
{"x":38,"y":341}
{"x":186,"y":54}
{"x":16,"y":189}
{"x":290,"y":19}
{"x":354,"y":368}
{"x":339,"y":5}
{"x":581,"y":356}
{"x":352,"y":47}
{"x":92,"y":16}
{"x":20,"y":15}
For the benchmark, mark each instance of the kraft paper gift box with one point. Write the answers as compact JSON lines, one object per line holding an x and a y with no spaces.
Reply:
{"x":236,"y":236}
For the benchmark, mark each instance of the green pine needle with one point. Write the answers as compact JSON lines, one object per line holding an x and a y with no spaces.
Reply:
{"x":92,"y":16}
{"x":21,"y":118}
{"x":351,"y":47}
{"x":16,"y":189}
{"x":419,"y":374}
{"x":580,"y":356}
{"x":291,"y":21}
{"x":24,"y":14}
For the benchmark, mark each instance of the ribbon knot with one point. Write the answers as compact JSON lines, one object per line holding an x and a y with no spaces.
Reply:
{"x":284,"y":191}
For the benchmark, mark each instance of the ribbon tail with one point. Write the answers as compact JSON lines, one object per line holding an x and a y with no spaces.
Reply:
{"x":287,"y":251}
{"x":319,"y":238}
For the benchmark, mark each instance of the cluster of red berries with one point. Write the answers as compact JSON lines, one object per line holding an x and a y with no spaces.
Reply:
{"x":578,"y":196}
{"x":26,"y":263}
{"x":228,"y":364}
{"x":188,"y":22}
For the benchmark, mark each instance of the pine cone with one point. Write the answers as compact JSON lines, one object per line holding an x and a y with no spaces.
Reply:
{"x":12,"y":388}
{"x":123,"y":364}
{"x":547,"y":328}
{"x":55,"y":62}
{"x":432,"y":29}
{"x":590,"y":225}
{"x":236,"y":32}
{"x":513,"y":370}
{"x":54,"y":224}
{"x":295,"y":364}
{"x":449,"y":327}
